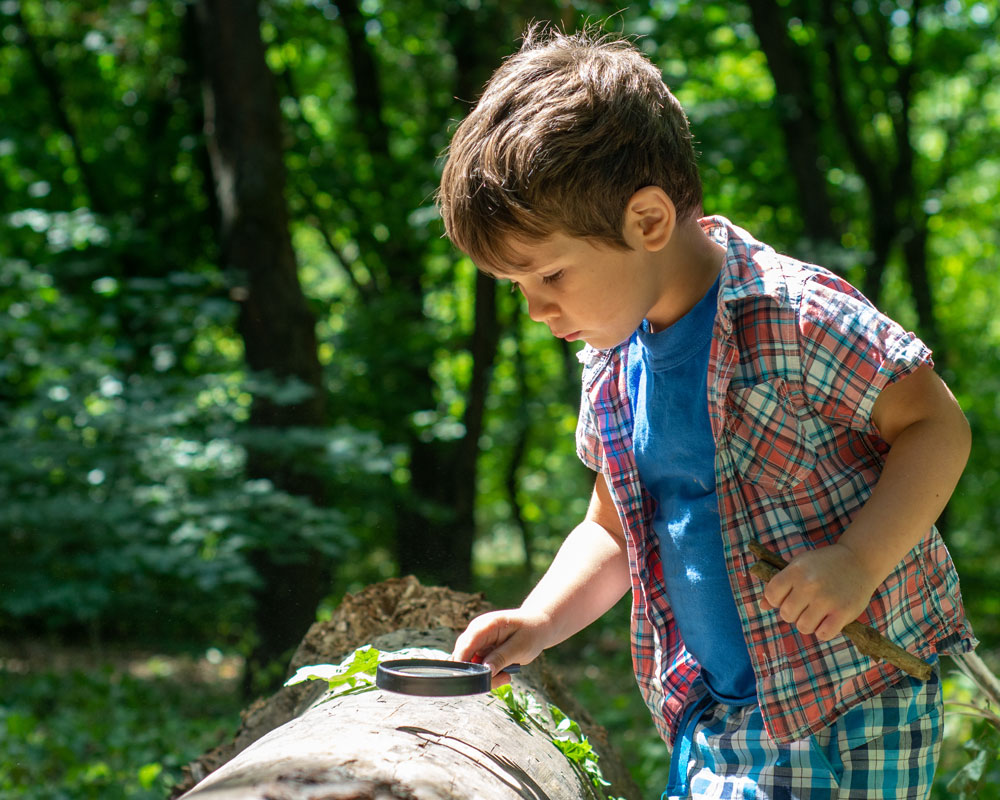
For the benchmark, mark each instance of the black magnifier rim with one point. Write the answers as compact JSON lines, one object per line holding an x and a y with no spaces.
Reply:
{"x":463,"y":677}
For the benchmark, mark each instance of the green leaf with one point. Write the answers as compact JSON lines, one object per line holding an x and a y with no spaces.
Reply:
{"x":148,"y":773}
{"x":967,"y":779}
{"x":562,"y":731}
{"x":358,"y":673}
{"x":20,"y":725}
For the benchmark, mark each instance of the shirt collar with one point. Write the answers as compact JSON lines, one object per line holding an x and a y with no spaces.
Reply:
{"x":751,"y":269}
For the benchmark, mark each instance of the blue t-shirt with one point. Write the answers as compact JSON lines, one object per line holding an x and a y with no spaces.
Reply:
{"x":675,"y":452}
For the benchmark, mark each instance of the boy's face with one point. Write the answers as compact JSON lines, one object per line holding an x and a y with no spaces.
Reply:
{"x":585,"y":290}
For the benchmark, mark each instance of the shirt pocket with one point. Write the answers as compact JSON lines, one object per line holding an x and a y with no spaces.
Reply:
{"x":768,"y":443}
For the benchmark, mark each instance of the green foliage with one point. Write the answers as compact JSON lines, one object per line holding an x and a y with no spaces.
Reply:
{"x":105,"y":734}
{"x":575,"y":746}
{"x":523,"y":707}
{"x":125,"y":508}
{"x":124,"y":500}
{"x":355,"y":674}
{"x":971,"y":759}
{"x":980,"y":776}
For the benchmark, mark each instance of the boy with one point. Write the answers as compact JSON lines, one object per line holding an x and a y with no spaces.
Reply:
{"x":729,"y":394}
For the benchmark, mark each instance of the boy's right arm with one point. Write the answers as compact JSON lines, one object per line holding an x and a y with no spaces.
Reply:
{"x":589,"y":574}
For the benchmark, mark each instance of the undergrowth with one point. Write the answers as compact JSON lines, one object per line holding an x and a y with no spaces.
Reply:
{"x":99,"y":733}
{"x":102,"y":732}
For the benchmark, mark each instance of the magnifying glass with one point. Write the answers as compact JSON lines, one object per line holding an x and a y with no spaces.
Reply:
{"x":433,"y":677}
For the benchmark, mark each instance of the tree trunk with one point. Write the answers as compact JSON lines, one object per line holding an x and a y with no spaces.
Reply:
{"x":244,"y":134}
{"x":384,"y":745}
{"x":243,"y":127}
{"x":306,"y":743}
{"x":439,"y":547}
{"x":798,"y":115}
{"x":436,"y":532}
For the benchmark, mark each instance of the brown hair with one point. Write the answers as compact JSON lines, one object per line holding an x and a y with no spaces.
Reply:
{"x":566,"y":130}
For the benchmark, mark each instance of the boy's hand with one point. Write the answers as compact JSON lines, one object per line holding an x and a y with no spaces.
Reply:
{"x":499,"y":639}
{"x":820,"y":591}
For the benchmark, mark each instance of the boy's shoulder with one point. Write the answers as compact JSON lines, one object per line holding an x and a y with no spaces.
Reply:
{"x":755,"y":269}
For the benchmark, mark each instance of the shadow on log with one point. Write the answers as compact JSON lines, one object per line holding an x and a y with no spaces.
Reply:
{"x":305,"y":742}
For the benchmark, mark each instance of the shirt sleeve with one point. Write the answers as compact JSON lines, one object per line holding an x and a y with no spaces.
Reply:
{"x":588,"y":440}
{"x":851,"y":351}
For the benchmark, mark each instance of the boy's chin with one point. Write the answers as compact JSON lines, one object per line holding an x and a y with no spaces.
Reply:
{"x":603,"y":342}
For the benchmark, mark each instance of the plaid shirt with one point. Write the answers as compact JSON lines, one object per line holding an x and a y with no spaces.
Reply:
{"x":798,"y":357}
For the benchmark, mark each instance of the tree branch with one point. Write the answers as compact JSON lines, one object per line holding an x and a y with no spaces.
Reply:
{"x":365,"y":289}
{"x":57,"y":102}
{"x":367,"y":84}
{"x":797,"y":115}
{"x":868,"y":640}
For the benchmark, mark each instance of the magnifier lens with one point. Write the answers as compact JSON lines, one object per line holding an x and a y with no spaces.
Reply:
{"x":433,"y":677}
{"x":433,"y":672}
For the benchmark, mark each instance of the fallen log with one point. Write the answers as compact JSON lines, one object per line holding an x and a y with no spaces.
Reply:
{"x":313,"y":741}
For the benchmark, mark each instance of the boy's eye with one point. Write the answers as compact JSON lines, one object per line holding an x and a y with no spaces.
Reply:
{"x":553,"y":277}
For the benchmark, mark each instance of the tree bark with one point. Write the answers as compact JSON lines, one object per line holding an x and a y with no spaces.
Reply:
{"x":306,"y":743}
{"x":798,"y":115}
{"x":446,"y":472}
{"x":435,"y":538}
{"x":244,"y":134}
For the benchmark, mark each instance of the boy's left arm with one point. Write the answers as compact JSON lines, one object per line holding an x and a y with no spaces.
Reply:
{"x":822,"y":590}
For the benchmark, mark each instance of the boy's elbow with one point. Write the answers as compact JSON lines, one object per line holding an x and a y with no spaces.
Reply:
{"x":960,"y":431}
{"x":955,"y":433}
{"x":963,"y":436}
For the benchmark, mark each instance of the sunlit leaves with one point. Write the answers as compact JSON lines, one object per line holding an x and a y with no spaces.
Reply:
{"x":110,"y":268}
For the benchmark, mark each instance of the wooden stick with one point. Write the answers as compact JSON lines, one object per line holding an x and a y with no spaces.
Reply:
{"x":868,"y":640}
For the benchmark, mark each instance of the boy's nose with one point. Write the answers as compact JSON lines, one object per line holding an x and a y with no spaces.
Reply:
{"x":540,"y":309}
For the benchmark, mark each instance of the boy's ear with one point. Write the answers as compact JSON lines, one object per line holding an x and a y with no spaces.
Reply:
{"x":650,"y":218}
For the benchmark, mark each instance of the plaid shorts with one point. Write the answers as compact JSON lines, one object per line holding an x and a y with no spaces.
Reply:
{"x":885,"y":747}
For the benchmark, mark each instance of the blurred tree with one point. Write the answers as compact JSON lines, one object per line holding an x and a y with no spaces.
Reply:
{"x":243,"y":129}
{"x":131,"y":365}
{"x":849,"y":80}
{"x":380,"y":151}
{"x":799,"y":118}
{"x":124,"y":484}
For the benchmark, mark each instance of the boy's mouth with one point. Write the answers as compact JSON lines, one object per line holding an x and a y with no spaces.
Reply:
{"x":569,"y":337}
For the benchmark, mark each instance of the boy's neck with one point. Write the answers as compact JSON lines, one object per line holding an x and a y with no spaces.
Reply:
{"x":689,"y":265}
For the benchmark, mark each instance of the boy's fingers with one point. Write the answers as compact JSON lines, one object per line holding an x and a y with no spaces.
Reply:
{"x":777,"y":590}
{"x":800,"y":609}
{"x":475,"y":639}
{"x":809,"y":620}
{"x":790,"y":613}
{"x":464,"y":649}
{"x":486,"y":640}
{"x":496,"y":661}
{"x":790,"y":605}
{"x":827,"y":629}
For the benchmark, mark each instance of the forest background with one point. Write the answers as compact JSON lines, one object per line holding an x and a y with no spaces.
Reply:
{"x":242,"y":373}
